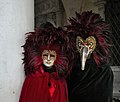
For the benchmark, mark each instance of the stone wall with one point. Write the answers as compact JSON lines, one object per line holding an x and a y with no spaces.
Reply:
{"x":49,"y":11}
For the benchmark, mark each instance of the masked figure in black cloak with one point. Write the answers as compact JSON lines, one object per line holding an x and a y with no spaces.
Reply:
{"x":91,"y":79}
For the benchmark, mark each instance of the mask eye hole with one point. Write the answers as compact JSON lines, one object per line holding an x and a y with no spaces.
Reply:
{"x":45,"y":55}
{"x":52,"y":55}
{"x":91,"y":43}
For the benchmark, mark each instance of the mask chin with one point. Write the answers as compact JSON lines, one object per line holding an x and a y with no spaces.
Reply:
{"x":48,"y":65}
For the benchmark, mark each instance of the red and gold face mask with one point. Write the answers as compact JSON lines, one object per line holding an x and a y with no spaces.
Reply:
{"x":85,"y":48}
{"x":48,"y":56}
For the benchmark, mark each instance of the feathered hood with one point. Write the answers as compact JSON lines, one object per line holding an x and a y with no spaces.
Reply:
{"x":46,"y":37}
{"x":89,"y":24}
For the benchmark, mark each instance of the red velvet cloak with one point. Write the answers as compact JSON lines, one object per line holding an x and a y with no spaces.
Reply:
{"x":36,"y":89}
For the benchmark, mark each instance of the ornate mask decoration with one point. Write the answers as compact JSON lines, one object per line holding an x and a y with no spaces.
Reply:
{"x":85,"y":48}
{"x":49,"y":57}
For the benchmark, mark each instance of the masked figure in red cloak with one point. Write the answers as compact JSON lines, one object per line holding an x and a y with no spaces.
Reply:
{"x":91,"y":79}
{"x":45,"y":66}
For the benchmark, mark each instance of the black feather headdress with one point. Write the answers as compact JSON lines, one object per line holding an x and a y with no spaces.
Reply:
{"x":91,"y":24}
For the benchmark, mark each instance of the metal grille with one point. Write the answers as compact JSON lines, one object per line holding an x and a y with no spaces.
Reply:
{"x":112,"y":15}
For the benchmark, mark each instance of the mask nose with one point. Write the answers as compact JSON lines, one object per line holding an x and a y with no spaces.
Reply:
{"x":84,"y":53}
{"x":48,"y":58}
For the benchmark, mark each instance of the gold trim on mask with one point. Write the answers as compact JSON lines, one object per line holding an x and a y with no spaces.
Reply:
{"x":90,"y":42}
{"x":85,"y":48}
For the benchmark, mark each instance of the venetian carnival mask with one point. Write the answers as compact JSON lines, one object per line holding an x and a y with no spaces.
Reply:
{"x":48,"y":56}
{"x":85,"y":48}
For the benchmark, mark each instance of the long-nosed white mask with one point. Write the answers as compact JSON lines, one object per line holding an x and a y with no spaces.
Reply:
{"x":85,"y":48}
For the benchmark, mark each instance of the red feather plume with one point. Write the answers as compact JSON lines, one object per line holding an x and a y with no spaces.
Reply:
{"x":46,"y":37}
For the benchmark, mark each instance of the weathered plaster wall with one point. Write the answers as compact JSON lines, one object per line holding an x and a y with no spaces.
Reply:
{"x":16,"y":18}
